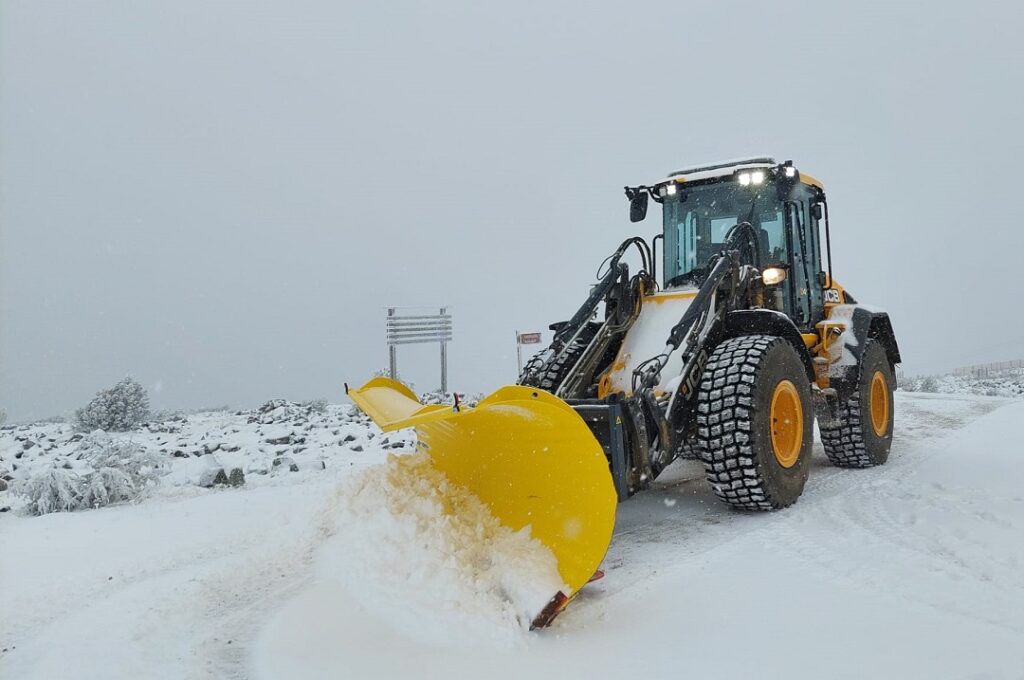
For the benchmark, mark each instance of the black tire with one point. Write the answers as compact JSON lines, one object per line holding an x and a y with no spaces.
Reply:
{"x":858,"y":438}
{"x":554,"y":374}
{"x":734,"y":422}
{"x":688,"y":449}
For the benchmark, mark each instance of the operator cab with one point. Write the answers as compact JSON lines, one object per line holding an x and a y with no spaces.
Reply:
{"x":701,"y":205}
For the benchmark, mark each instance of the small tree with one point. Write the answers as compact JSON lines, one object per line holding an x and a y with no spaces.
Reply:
{"x":122,"y":407}
{"x":929,"y":384}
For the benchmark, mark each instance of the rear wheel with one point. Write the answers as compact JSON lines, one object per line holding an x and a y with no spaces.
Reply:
{"x":755,"y":422}
{"x":861,"y":434}
{"x":554,"y":374}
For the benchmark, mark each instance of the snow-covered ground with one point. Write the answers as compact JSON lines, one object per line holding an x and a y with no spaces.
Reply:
{"x":912,"y":570}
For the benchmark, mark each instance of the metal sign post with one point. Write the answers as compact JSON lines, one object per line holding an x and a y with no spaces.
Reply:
{"x":444,"y":359}
{"x":524,"y":339}
{"x":519,"y":356}
{"x":417,"y":329}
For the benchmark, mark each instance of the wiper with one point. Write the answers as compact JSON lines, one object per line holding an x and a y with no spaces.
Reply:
{"x":750,"y":215}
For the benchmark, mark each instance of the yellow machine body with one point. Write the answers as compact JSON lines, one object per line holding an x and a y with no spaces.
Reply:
{"x":525,"y":454}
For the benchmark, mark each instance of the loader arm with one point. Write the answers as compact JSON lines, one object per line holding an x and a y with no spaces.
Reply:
{"x":580,"y":346}
{"x":731,"y":283}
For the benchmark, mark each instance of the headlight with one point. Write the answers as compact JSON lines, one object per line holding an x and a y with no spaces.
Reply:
{"x":671,"y":189}
{"x":747,"y":178}
{"x":772,"y":276}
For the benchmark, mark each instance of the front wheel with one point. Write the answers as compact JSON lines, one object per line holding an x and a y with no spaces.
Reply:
{"x":755,"y":422}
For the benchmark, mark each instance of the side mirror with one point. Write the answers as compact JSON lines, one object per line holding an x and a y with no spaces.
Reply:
{"x":816,"y":211}
{"x":637,"y":204}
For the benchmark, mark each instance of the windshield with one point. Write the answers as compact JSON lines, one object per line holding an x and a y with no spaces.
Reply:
{"x":697,"y":219}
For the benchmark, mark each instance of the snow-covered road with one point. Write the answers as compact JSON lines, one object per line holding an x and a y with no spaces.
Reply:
{"x":912,"y":570}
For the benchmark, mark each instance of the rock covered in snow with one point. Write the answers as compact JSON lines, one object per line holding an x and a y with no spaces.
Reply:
{"x":236,"y":477}
{"x":213,"y":476}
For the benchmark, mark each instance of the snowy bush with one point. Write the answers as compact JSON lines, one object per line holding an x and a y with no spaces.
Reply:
{"x":101,"y":451}
{"x":284,"y":411}
{"x":120,"y":408}
{"x":54,"y":490}
{"x":105,"y":486}
{"x":280,"y":411}
{"x":121,"y":471}
{"x":439,"y":397}
{"x":910,"y":384}
{"x":315,"y":405}
{"x":920,"y":383}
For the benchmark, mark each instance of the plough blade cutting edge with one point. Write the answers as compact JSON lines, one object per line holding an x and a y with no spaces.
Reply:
{"x":524,"y":453}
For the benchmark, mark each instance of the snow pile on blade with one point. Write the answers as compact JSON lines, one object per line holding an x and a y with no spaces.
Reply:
{"x":430,"y":558}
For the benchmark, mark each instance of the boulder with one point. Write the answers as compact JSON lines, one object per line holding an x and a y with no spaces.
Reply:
{"x":214,"y":476}
{"x":285,"y":463}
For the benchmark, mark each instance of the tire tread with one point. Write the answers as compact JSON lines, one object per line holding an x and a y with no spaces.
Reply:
{"x":725,"y":422}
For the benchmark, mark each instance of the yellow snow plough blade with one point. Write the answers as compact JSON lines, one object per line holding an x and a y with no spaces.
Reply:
{"x":524,"y":453}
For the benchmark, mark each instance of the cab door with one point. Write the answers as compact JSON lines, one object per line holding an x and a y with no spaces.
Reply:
{"x":805,"y":291}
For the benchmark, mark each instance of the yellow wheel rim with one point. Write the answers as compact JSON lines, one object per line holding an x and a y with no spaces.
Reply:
{"x":879,"y":404}
{"x":787,"y":424}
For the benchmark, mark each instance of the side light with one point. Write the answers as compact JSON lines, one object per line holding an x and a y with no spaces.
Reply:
{"x":773,"y":276}
{"x":790,"y":171}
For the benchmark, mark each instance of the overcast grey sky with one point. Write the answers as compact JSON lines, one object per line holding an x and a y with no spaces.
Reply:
{"x":221,"y":198}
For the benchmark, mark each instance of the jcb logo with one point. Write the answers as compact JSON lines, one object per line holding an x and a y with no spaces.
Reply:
{"x":832,"y":296}
{"x":693,"y":379}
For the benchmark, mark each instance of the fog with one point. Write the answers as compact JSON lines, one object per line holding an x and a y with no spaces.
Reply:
{"x":221,"y":199}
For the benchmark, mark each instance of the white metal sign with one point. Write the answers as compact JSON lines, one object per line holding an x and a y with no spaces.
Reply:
{"x":411,"y":329}
{"x":524,"y":339}
{"x":529,"y":338}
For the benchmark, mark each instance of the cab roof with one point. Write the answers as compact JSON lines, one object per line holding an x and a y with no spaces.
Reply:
{"x":729,"y":168}
{"x":723,"y":168}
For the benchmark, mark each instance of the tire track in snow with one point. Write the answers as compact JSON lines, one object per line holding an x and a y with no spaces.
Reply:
{"x":882,"y":514}
{"x":681,"y":516}
{"x":193,"y":609}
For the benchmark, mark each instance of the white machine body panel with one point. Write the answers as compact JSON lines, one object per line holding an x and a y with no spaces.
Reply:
{"x":647,"y":338}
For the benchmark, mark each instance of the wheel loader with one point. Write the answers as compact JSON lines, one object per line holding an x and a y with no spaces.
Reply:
{"x":727,"y":356}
